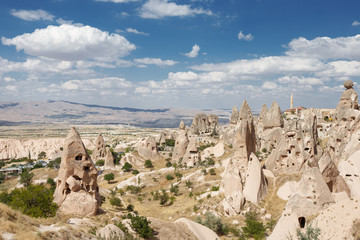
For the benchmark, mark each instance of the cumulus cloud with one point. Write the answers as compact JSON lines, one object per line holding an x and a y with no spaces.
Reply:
{"x":355,"y":23}
{"x":95,"y":84}
{"x":32,"y":15}
{"x":69,"y":42}
{"x":194,"y":52}
{"x":300,"y":80}
{"x":269,"y":85}
{"x":247,"y":37}
{"x":117,"y":1}
{"x":183,"y":76}
{"x":157,"y":9}
{"x":326,"y":48}
{"x":133,"y":30}
{"x":341,"y":68}
{"x":155,"y":61}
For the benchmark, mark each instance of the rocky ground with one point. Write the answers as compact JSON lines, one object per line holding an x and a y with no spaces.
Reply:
{"x":293,"y":174}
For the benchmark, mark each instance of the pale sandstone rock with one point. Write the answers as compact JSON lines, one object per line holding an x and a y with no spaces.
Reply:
{"x":234,"y":115}
{"x":76,"y":190}
{"x":181,"y":144}
{"x":200,"y":231}
{"x":256,"y":184}
{"x":147,"y":148}
{"x":311,"y":196}
{"x":192,"y":155}
{"x":100,"y":148}
{"x":273,"y":117}
{"x":203,"y":124}
{"x":216,"y":151}
{"x":109,"y":160}
{"x":182,"y":125}
{"x":110,"y":231}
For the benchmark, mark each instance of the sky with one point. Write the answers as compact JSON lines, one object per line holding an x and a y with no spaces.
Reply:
{"x":179,"y":53}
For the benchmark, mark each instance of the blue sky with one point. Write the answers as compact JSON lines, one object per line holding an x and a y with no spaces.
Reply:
{"x":179,"y":53}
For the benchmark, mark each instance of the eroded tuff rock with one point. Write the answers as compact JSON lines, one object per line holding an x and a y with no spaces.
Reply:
{"x":239,"y":168}
{"x":273,"y":117}
{"x":296,"y":147}
{"x":181,"y":144}
{"x":109,"y":160}
{"x":192,"y":155}
{"x":310,"y":197}
{"x":77,"y":191}
{"x":182,"y":125}
{"x":234,"y":115}
{"x":203,"y":124}
{"x":100,"y":148}
{"x":147,"y":148}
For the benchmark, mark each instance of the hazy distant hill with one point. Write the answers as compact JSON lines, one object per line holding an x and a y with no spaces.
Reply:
{"x":18,"y":113}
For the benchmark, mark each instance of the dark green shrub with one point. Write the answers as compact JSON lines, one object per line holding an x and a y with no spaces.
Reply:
{"x":41,"y":155}
{"x":169,"y":177}
{"x":174,"y":189}
{"x":188,"y":183}
{"x":148,"y":164}
{"x":135,"y":172}
{"x":55,"y":163}
{"x":2,"y":177}
{"x":130,"y":207}
{"x":26,"y":177}
{"x":215,"y":188}
{"x":164,"y":197}
{"x":109,"y":177}
{"x":214,"y":223}
{"x":170,"y":142}
{"x":142,"y":226}
{"x":212,"y":171}
{"x":133,"y":189}
{"x":114,"y":201}
{"x":127,"y":167}
{"x":100,"y":163}
{"x":253,"y":228}
{"x":35,"y":201}
{"x":310,"y":233}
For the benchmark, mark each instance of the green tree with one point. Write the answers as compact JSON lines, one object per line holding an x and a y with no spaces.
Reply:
{"x":41,"y":155}
{"x":253,"y":228}
{"x":148,"y":164}
{"x":2,"y":177}
{"x":35,"y":201}
{"x":170,"y":142}
{"x":214,"y":223}
{"x":26,"y":177}
{"x":164,"y":197}
{"x":169,"y":177}
{"x":100,"y":162}
{"x":142,"y":226}
{"x":109,"y":177}
{"x":127,"y":167}
{"x":115,"y":201}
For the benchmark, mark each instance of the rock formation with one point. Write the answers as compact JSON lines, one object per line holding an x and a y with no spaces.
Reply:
{"x":203,"y":124}
{"x":273,"y":117}
{"x":182,"y":125}
{"x":311,"y":196}
{"x":234,"y":115}
{"x":181,"y":144}
{"x":100,"y":148}
{"x":77,"y":191}
{"x":109,"y":160}
{"x":192,"y":155}
{"x":147,"y":148}
{"x":297,"y":146}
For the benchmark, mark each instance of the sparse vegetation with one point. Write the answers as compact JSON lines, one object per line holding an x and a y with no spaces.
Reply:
{"x":170,"y":142}
{"x":42,"y":155}
{"x":26,"y":177}
{"x":253,"y":228}
{"x":133,"y":189}
{"x":127,"y":167}
{"x":100,"y":162}
{"x":164,"y":197}
{"x":115,"y":201}
{"x":148,"y":164}
{"x":141,"y":226}
{"x":214,"y":223}
{"x":109,"y":177}
{"x":169,"y":177}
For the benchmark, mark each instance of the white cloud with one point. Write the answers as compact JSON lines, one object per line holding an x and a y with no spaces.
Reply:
{"x":269,"y":85}
{"x":247,"y":37}
{"x":8,"y":79}
{"x":300,"y":80}
{"x":117,"y":1}
{"x":341,"y":68}
{"x":96,"y":83}
{"x":157,"y":9}
{"x":69,"y":42}
{"x":355,"y":23}
{"x":32,"y":15}
{"x":194,"y":52}
{"x":326,"y":48}
{"x":183,"y":76}
{"x":155,"y":61}
{"x":142,"y":90}
{"x":132,"y":30}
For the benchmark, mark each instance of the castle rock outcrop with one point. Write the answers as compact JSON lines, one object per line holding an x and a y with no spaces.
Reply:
{"x":100,"y":148}
{"x":147,"y":148}
{"x":203,"y":124}
{"x":180,"y":146}
{"x":76,"y":190}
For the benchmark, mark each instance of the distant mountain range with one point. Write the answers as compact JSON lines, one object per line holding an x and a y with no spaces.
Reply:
{"x":47,"y":112}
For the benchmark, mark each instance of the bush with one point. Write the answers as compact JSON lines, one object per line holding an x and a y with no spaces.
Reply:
{"x":130,"y":207}
{"x":188,"y":183}
{"x":148,"y":164}
{"x":26,"y":177}
{"x":210,"y":161}
{"x":108,"y":177}
{"x":35,"y":201}
{"x":135,"y":172}
{"x":127,"y":167}
{"x":142,"y":226}
{"x":170,"y":142}
{"x":212,"y":171}
{"x":114,"y":201}
{"x":133,"y":189}
{"x":100,"y":163}
{"x":214,"y":223}
{"x":215,"y":188}
{"x":55,"y":163}
{"x":174,"y":189}
{"x":41,"y":155}
{"x":2,"y":177}
{"x":253,"y":228}
{"x":169,"y":177}
{"x":310,"y":233}
{"x":164,"y":197}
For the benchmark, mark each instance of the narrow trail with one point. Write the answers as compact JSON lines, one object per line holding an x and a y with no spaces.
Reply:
{"x":272,"y":194}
